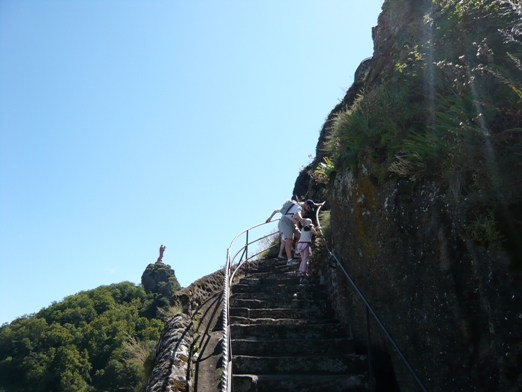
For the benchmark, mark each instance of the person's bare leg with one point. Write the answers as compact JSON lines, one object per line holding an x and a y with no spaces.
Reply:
{"x":281,"y":248}
{"x":297,"y":235}
{"x":288,"y":248}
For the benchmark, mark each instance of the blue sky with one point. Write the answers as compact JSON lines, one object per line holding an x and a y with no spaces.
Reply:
{"x":125,"y":125}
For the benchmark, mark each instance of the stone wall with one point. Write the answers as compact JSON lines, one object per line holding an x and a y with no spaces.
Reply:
{"x":173,"y":365}
{"x":191,"y":297}
{"x":171,"y":372}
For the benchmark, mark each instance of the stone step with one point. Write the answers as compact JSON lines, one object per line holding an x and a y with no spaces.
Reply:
{"x":291,"y":303}
{"x":276,"y":288}
{"x":301,"y":383}
{"x":268,"y":279}
{"x":284,"y":295}
{"x":269,"y":263}
{"x":278,"y":321}
{"x":285,"y":347}
{"x":263,"y":269}
{"x":334,"y":364}
{"x":279,"y":266}
{"x":277,"y":332}
{"x":285,"y":337}
{"x":313,"y":312}
{"x":274,"y":273}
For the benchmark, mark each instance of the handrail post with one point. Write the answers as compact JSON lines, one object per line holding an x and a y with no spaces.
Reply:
{"x":226,"y":337}
{"x":368,"y":343}
{"x":229,"y":366}
{"x":246,"y":246}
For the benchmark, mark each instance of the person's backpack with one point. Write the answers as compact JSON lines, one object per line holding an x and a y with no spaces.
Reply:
{"x":287,"y":205}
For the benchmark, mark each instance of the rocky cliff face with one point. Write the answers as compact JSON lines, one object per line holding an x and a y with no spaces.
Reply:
{"x":453,"y":306}
{"x":434,"y":244}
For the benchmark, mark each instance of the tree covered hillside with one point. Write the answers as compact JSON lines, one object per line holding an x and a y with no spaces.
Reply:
{"x":98,"y":340}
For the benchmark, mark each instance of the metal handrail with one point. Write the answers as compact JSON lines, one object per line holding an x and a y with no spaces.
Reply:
{"x":226,"y":385}
{"x":370,"y":310}
{"x":226,"y":378}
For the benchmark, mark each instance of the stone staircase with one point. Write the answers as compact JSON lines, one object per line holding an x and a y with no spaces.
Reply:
{"x":285,"y":338}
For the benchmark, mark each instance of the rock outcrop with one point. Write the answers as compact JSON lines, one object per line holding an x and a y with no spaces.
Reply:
{"x":160,"y":278}
{"x":435,"y":246}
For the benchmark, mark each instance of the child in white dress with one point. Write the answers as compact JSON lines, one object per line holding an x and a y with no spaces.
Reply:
{"x":303,"y":246}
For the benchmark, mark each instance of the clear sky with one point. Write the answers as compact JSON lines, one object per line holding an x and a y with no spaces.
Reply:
{"x":125,"y":125}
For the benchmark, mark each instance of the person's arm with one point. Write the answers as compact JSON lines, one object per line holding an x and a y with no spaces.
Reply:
{"x":273,"y":213}
{"x":299,"y":217}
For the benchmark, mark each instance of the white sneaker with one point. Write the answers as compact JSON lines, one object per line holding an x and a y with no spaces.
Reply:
{"x":292,"y":262}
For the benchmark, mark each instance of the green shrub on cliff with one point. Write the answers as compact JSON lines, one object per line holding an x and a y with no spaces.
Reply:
{"x":451,"y":102}
{"x":96,"y":340}
{"x":325,"y":169}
